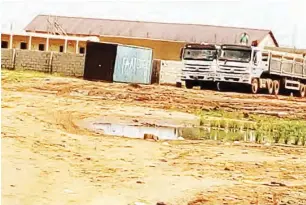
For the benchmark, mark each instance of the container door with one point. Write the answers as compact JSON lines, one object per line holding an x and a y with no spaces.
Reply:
{"x":133,"y":65}
{"x":100,"y":61}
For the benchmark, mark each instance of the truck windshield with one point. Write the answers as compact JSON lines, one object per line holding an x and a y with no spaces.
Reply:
{"x":199,"y":54}
{"x":235,"y":55}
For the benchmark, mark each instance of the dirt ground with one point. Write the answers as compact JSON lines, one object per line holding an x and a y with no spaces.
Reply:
{"x":48,"y":159}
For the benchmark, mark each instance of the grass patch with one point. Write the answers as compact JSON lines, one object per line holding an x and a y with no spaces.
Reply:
{"x":15,"y":76}
{"x":21,"y":76}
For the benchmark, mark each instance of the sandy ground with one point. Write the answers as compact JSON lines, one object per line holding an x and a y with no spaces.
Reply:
{"x":48,"y":159}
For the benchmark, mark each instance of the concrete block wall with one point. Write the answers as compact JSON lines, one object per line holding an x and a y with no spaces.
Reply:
{"x":170,"y":71}
{"x":68,"y":64}
{"x":32,"y":60}
{"x":49,"y":62}
{"x":7,"y":58}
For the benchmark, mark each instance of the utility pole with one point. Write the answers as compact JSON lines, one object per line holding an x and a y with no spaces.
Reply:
{"x":11,"y":27}
{"x":294,"y":32}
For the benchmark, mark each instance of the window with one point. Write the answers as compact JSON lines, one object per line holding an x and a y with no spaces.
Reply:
{"x":82,"y":50}
{"x":199,"y":54}
{"x":235,"y":55}
{"x":41,"y":47}
{"x":61,"y":49}
{"x":4,"y":44}
{"x":23,"y":45}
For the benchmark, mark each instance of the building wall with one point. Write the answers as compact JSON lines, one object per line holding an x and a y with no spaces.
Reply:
{"x":5,"y":38}
{"x":267,"y":41}
{"x":166,"y":50}
{"x":54,"y":44}
{"x":161,"y":49}
{"x":36,"y":41}
{"x":17,"y":40}
{"x":68,"y":64}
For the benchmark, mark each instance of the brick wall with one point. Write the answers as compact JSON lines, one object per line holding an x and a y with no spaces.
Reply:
{"x":49,"y":62}
{"x":68,"y":64}
{"x":7,"y":60}
{"x":32,"y":60}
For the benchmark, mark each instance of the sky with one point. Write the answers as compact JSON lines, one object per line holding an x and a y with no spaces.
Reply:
{"x":286,"y":18}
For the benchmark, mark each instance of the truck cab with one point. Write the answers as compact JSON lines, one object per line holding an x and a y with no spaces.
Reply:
{"x":239,"y":64}
{"x":200,"y":62}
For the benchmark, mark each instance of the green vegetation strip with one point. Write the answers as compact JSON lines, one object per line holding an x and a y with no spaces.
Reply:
{"x":288,"y":131}
{"x":14,"y":76}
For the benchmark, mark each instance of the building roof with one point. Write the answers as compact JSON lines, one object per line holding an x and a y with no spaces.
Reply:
{"x":192,"y":33}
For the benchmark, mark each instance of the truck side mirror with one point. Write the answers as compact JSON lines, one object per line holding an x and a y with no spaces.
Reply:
{"x":181,"y":53}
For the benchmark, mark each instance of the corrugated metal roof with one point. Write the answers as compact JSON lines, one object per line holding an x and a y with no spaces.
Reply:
{"x":192,"y":33}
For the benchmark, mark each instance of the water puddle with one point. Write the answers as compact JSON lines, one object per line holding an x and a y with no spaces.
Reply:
{"x":136,"y":131}
{"x":172,"y":133}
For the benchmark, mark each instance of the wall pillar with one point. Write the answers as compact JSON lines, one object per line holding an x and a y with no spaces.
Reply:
{"x":11,"y":41}
{"x":77,"y":47}
{"x":47,"y":44}
{"x":65,"y":47}
{"x":30,"y":43}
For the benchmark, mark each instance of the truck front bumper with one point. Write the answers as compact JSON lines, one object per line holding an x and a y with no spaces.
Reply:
{"x":200,"y":76}
{"x":238,"y":78}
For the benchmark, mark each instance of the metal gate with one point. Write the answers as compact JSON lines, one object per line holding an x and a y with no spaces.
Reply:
{"x":100,"y":61}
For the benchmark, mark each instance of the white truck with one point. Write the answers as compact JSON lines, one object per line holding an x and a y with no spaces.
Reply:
{"x":260,"y":69}
{"x":200,"y":63}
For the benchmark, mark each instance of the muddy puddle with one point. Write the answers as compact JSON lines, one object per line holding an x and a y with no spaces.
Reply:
{"x":172,"y":133}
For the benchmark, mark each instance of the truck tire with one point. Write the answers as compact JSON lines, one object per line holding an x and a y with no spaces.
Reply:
{"x":302,"y":92}
{"x":189,"y":84}
{"x":207,"y":85}
{"x":254,"y":86}
{"x":270,"y":86}
{"x":276,"y":87}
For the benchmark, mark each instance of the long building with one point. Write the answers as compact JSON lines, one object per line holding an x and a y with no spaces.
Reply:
{"x":166,"y":39}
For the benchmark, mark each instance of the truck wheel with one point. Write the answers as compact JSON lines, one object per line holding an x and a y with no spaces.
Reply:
{"x":302,"y":90}
{"x":276,"y":87}
{"x":270,"y":86}
{"x":206,"y":85}
{"x":254,"y":86}
{"x":189,"y":84}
